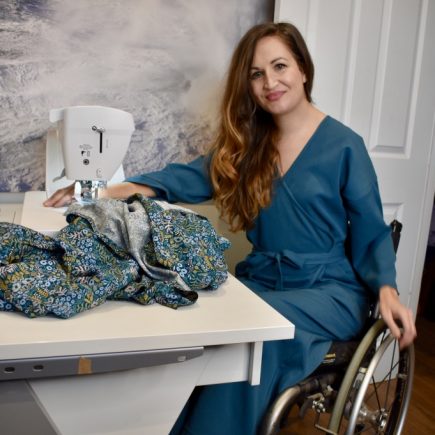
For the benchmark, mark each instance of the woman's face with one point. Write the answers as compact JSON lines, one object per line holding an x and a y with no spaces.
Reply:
{"x":276,"y":81}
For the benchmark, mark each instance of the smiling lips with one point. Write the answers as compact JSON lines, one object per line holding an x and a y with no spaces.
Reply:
{"x":274,"y":96}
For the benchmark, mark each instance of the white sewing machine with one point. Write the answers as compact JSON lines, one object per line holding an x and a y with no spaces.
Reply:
{"x":88,"y":146}
{"x":123,"y":368}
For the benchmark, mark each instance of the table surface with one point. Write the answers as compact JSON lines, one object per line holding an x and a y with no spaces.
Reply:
{"x":230,"y":314}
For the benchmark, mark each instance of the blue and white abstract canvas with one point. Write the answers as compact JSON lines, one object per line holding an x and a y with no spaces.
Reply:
{"x":164,"y":61}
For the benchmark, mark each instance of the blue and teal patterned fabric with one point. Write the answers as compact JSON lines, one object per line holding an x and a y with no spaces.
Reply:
{"x":82,"y":267}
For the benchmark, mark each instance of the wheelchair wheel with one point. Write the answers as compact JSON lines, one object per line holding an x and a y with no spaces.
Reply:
{"x":376,"y":389}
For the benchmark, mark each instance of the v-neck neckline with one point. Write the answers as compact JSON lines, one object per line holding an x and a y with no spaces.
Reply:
{"x":307,"y":144}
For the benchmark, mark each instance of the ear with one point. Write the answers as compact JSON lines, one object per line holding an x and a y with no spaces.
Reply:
{"x":304,"y":78}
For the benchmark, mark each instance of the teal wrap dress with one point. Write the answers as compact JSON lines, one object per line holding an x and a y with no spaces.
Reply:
{"x":320,"y":249}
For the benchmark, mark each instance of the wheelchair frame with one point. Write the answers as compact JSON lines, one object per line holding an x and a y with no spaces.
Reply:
{"x":341,"y":384}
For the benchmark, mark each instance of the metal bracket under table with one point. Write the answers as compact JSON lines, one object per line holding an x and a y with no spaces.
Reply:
{"x":72,"y":365}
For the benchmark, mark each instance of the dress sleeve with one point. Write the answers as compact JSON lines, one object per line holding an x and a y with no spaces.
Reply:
{"x":179,"y":182}
{"x":371,"y":247}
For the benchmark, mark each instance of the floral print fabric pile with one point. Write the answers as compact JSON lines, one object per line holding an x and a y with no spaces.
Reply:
{"x":130,"y":250}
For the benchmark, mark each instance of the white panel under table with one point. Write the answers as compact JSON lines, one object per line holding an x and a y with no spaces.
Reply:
{"x":139,"y":401}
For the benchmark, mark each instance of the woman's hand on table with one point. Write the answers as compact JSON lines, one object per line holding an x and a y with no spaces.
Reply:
{"x":65,"y":196}
{"x":61,"y":197}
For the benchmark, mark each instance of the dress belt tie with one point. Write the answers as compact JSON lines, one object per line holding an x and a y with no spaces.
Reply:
{"x":259,"y":260}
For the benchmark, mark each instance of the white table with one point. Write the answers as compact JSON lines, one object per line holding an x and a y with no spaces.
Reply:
{"x":222,"y":333}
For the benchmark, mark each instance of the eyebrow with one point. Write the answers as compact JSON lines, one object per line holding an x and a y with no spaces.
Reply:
{"x":271,"y":62}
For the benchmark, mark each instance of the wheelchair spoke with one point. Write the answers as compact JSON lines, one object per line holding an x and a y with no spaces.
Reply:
{"x":391,"y":372}
{"x":375,"y":392}
{"x":376,"y":386}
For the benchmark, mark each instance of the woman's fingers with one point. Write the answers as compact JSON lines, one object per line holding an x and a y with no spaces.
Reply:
{"x":61,"y":197}
{"x":397,"y":315}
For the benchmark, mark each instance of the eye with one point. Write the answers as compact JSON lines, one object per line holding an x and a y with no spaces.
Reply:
{"x":280,"y":66}
{"x":255,"y":75}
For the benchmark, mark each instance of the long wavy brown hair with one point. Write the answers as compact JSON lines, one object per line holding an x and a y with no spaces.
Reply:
{"x":244,"y":158}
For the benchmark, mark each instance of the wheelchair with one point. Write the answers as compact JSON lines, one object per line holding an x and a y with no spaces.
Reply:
{"x":364,"y":385}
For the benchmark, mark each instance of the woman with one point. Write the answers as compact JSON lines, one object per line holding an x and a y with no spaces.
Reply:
{"x":302,"y":185}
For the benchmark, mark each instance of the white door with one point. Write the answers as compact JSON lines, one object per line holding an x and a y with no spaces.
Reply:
{"x":375,"y":70}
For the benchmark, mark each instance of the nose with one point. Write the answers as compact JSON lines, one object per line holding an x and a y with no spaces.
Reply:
{"x":269,"y":80}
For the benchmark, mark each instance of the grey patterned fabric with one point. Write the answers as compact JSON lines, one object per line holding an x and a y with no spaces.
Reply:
{"x":127,"y":224}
